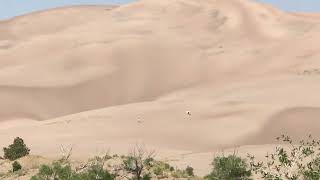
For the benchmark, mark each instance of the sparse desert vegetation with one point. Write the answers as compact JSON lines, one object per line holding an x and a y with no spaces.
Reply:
{"x":16,"y":166}
{"x":289,"y":161}
{"x":139,"y":164}
{"x":231,"y":167}
{"x":64,"y":171}
{"x":16,"y":150}
{"x":296,"y":160}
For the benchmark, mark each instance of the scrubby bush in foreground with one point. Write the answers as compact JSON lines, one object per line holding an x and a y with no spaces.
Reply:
{"x":297,"y":160}
{"x":290,"y":161}
{"x":59,"y":171}
{"x":138,"y":165}
{"x":56,"y":171}
{"x":16,"y":150}
{"x":189,"y":171}
{"x":229,"y":168}
{"x":96,"y":172}
{"x":137,"y":161}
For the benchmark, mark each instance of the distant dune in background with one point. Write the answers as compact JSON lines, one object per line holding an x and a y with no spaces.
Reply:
{"x":107,"y":77}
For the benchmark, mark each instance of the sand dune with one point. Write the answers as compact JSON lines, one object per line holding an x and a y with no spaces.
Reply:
{"x":109,"y":77}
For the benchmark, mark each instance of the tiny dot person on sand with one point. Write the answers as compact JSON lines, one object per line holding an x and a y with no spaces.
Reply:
{"x":139,"y":120}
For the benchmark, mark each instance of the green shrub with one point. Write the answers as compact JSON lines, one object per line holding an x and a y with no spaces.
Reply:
{"x":146,"y":177}
{"x":34,"y":178}
{"x":45,"y":170}
{"x":189,"y":171}
{"x":16,"y":166}
{"x":96,"y":172}
{"x":148,"y":162}
{"x":128,"y":163}
{"x":166,"y":166}
{"x":171,"y":168}
{"x":313,"y":171}
{"x":158,"y":171}
{"x":16,"y":150}
{"x":59,"y":171}
{"x":138,"y":161}
{"x":298,"y":160}
{"x":229,"y":168}
{"x":56,"y":171}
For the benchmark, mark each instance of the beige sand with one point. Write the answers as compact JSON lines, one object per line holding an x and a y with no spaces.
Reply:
{"x":105,"y":78}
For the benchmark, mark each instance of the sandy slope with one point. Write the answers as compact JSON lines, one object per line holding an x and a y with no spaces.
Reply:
{"x":247,"y":72}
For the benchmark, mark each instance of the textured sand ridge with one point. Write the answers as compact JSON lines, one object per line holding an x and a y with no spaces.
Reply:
{"x":102,"y":77}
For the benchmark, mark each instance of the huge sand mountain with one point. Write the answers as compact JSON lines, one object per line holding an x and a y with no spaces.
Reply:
{"x":102,"y":77}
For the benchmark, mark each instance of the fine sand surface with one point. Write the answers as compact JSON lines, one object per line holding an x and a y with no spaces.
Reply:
{"x":104,"y":78}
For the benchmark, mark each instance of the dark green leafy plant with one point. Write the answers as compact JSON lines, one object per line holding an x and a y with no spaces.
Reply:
{"x":146,"y":177}
{"x":229,"y":168}
{"x":16,"y":150}
{"x":189,"y":171}
{"x":16,"y":166}
{"x":171,"y":168}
